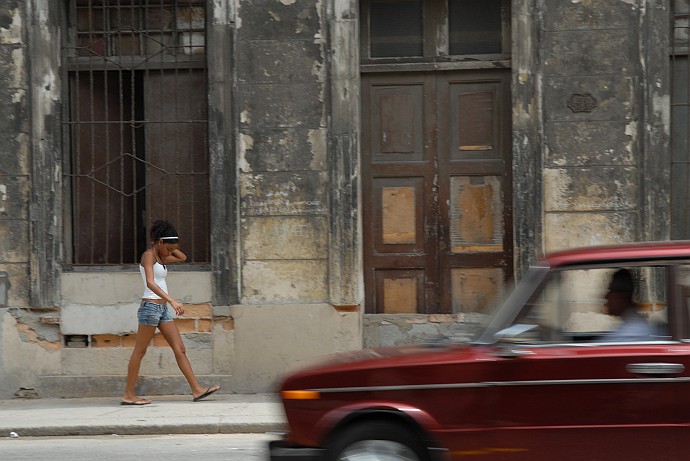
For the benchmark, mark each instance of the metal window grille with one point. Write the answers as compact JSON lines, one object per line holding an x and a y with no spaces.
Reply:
{"x":432,"y":29}
{"x":396,"y":28}
{"x":137,"y":127}
{"x":475,"y":27}
{"x":680,"y":121}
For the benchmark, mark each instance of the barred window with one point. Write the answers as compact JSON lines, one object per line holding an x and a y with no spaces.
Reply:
{"x":680,"y":121}
{"x":136,"y":127}
{"x":431,"y":29}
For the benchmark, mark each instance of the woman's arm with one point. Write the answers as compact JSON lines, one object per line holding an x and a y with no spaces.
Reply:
{"x":175,"y":257}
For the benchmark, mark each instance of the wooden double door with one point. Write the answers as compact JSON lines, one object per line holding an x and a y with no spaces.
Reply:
{"x":437,"y":190}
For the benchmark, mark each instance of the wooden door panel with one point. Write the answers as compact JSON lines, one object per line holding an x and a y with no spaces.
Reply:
{"x":473,"y":121}
{"x":398,"y":225}
{"x":399,"y":258}
{"x":476,"y":289}
{"x":398,"y":126}
{"x":475,"y":189}
{"x":436,"y":190}
{"x":399,"y":291}
{"x":475,"y":214}
{"x":399,"y":232}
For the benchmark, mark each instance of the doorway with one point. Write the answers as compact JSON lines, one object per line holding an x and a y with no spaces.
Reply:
{"x":437,"y":190}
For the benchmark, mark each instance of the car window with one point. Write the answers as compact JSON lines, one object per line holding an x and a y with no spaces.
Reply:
{"x":682,"y":278}
{"x":623,"y":304}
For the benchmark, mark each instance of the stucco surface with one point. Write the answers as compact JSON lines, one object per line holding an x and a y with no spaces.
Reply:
{"x":274,"y":339}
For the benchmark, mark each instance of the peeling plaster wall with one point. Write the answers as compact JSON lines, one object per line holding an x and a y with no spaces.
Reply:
{"x":274,"y":339}
{"x":383,"y":330}
{"x":271,"y":93}
{"x":282,"y":152}
{"x":20,"y":345}
{"x":15,"y":177}
{"x":593,"y":78}
{"x":285,"y":132}
{"x":591,"y":128}
{"x":287,"y":176}
{"x":26,"y":355}
{"x":98,"y":303}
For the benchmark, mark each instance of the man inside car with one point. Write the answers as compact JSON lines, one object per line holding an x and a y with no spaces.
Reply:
{"x":619,"y":302}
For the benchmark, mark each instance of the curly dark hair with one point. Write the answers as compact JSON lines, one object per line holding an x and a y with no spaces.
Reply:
{"x":160,"y":229}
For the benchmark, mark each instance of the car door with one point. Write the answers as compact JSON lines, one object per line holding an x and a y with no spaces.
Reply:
{"x":599,"y":402}
{"x":570,"y":394}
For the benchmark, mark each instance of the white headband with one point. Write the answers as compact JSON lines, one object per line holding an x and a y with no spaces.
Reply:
{"x":169,"y":238}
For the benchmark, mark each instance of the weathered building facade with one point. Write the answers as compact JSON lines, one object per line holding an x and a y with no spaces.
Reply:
{"x":343,"y":173}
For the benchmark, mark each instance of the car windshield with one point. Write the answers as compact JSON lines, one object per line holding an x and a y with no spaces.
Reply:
{"x":504,"y":314}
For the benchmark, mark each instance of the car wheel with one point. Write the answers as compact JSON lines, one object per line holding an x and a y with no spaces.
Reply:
{"x":376,"y":441}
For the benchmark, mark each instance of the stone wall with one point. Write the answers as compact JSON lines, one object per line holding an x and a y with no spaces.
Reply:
{"x":281,"y":84}
{"x":598,"y":64}
{"x":270,"y":301}
{"x":591,"y":159}
{"x":15,"y":169}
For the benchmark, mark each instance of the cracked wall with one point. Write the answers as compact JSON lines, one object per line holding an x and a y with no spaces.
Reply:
{"x":283,"y":183}
{"x":15,"y":180}
{"x":582,"y":71}
{"x":29,"y":349}
{"x":276,"y":88}
{"x":596,"y":66}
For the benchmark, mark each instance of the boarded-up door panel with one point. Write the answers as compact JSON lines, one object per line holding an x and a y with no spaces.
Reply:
{"x":399,"y":214}
{"x":475,"y":189}
{"x":437,"y":191}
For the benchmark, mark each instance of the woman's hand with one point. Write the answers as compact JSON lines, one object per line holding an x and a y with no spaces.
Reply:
{"x":179,"y":308}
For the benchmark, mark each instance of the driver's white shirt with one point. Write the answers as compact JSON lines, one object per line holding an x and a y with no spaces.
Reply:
{"x":634,"y":327}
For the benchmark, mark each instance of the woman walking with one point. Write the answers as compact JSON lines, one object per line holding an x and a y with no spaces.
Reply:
{"x":153,"y":313}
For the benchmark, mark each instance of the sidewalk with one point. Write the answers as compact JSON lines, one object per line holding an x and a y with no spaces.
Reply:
{"x":174,"y":414}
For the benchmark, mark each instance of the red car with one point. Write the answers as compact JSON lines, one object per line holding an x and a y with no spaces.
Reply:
{"x":587,"y":359}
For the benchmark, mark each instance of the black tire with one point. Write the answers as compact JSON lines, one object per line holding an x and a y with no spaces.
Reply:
{"x":371,"y":440}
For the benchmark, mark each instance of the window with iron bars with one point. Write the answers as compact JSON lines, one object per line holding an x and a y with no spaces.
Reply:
{"x":680,"y":121}
{"x":423,"y":30}
{"x":136,"y":125}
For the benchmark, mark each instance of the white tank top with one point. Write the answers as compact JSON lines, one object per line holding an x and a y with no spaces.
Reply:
{"x":159,"y":273}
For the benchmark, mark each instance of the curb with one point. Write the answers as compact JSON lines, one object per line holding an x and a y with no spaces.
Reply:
{"x":176,"y":414}
{"x":144,"y":429}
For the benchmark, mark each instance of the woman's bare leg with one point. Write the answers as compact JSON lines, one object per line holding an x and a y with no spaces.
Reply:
{"x":172,"y":336}
{"x":144,"y":335}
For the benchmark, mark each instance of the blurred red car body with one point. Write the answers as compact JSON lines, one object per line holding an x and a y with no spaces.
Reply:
{"x":541,"y":382}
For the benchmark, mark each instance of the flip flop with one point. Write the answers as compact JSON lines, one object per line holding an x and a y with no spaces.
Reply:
{"x":136,"y":402}
{"x":205,"y":394}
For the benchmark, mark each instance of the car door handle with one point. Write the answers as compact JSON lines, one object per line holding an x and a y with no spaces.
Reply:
{"x":655,"y":368}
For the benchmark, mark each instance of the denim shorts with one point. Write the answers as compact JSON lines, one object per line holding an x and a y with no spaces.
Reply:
{"x":152,"y":314}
